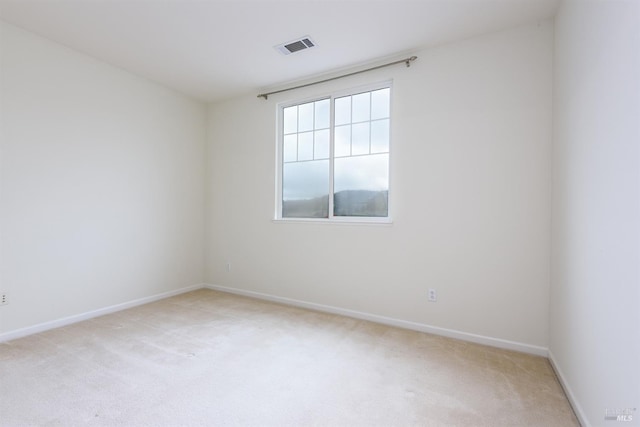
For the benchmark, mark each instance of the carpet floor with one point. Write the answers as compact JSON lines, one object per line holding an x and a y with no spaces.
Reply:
{"x":208,"y":358}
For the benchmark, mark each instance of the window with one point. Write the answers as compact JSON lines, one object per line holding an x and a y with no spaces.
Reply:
{"x":334,"y":156}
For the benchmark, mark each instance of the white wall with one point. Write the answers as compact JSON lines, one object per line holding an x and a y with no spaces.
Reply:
{"x":595,"y":297}
{"x":470,"y":181}
{"x":102,"y":193}
{"x":102,"y":184}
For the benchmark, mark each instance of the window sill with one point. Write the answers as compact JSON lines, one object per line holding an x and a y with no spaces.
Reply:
{"x":385,"y":222}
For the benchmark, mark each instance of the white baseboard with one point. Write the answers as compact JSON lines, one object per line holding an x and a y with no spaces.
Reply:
{"x":450,"y":333}
{"x":41,"y":327}
{"x":465,"y":336}
{"x":575,"y":405}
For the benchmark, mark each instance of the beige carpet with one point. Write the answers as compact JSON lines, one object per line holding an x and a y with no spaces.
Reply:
{"x":214,"y":359}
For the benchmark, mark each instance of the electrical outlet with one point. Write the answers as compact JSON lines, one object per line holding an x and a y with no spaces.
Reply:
{"x":432,"y":295}
{"x":4,"y":298}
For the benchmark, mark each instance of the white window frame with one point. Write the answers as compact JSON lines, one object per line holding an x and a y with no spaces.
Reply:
{"x":279,"y":157}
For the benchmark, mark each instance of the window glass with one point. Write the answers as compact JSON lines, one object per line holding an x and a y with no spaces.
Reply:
{"x":343,"y":110}
{"x":305,"y":117}
{"x":361,"y":107}
{"x":360,"y":139}
{"x":290,"y":120}
{"x":361,"y":186}
{"x":322,"y":114}
{"x":380,"y":136}
{"x":290,"y":150}
{"x":321,"y":144}
{"x":343,"y":141}
{"x":380,"y":104}
{"x":305,"y":189}
{"x":305,"y":146}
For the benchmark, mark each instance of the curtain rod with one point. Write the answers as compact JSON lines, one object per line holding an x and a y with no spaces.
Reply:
{"x":406,"y":61}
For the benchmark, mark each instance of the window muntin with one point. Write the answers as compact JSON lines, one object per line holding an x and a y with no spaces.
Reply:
{"x":334,"y":161}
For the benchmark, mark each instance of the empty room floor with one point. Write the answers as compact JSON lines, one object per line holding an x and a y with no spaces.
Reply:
{"x":212,"y":358}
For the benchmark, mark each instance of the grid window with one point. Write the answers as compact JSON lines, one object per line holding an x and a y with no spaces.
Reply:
{"x":334,"y":157}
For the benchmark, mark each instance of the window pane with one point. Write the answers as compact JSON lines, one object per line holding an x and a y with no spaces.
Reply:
{"x":380,"y":136}
{"x":305,"y":117}
{"x":305,"y":188}
{"x":321,"y":144}
{"x":345,"y":138}
{"x":361,"y":105}
{"x":380,"y":104}
{"x":322,"y":114}
{"x":291,"y":119}
{"x":305,"y":146}
{"x":343,"y":110}
{"x":361,"y":186}
{"x":342,"y":141}
{"x":290,"y":148}
{"x":360,"y":139}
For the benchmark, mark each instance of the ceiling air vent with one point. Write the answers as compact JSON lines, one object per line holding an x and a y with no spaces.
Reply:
{"x":294,"y":46}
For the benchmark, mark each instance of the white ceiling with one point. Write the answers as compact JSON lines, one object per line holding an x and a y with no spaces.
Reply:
{"x":216,"y":49}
